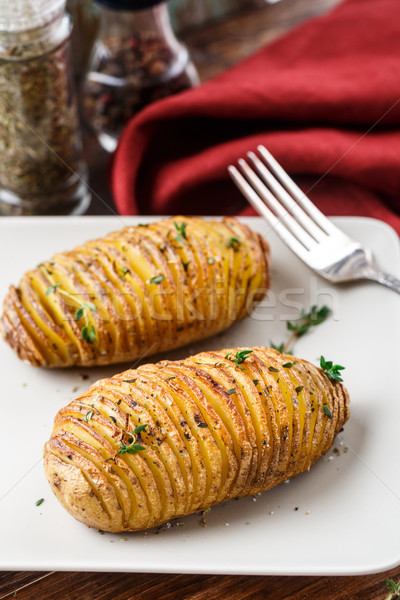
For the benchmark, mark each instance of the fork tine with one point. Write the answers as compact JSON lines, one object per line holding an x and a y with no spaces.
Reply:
{"x":269,"y":216}
{"x":286,"y":199}
{"x":296,"y":192}
{"x":274,"y":205}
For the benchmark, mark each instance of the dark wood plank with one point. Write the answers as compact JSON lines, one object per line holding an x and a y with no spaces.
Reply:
{"x":140,"y":586}
{"x":221,"y":44}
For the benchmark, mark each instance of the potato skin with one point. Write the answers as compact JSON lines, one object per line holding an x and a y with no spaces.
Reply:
{"x":136,"y":292}
{"x":216,"y":428}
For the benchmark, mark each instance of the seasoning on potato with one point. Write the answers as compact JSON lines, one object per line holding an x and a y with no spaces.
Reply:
{"x":169,"y":439}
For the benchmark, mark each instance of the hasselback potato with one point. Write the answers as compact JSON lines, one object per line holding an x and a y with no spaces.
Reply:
{"x":172,"y":438}
{"x":136,"y":292}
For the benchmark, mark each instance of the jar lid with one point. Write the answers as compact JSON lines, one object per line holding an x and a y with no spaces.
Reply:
{"x":128,"y":4}
{"x":24,"y":15}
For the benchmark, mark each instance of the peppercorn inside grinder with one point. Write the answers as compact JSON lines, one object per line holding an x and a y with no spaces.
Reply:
{"x":41,"y":166}
{"x":136,"y":60}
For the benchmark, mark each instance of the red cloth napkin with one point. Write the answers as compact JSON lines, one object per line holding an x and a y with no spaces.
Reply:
{"x":324,"y":99}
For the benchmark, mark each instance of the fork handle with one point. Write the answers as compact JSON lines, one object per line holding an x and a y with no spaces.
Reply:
{"x":383,"y":278}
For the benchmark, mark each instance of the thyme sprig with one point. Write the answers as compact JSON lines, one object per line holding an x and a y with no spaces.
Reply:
{"x":89,"y":413}
{"x":52,"y":288}
{"x":88,"y":331}
{"x":331,"y":370}
{"x":132,"y":447}
{"x":181,"y":229}
{"x":234,"y":243}
{"x":239,"y":357}
{"x":157,"y":279}
{"x":327,"y":411}
{"x":315,"y":316}
{"x":394,"y":589}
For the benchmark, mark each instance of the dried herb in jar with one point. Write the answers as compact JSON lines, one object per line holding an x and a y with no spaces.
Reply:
{"x":40,"y":146}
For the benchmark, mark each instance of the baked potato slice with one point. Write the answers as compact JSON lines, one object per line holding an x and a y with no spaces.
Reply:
{"x":137,"y":291}
{"x":168,"y":439}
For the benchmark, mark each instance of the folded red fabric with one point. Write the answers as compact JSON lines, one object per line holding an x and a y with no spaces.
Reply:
{"x":324,"y":99}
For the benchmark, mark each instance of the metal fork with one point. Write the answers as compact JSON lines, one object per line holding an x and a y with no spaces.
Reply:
{"x":301,"y":226}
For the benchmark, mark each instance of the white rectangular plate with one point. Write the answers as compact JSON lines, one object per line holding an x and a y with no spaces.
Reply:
{"x":341,"y":517}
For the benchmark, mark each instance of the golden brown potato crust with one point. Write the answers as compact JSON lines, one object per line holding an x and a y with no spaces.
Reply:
{"x":215,"y":428}
{"x":136,"y":292}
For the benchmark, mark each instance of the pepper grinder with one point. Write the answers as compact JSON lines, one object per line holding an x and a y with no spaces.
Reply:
{"x":136,"y":60}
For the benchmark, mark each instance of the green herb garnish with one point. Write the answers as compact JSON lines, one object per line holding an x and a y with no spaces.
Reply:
{"x":124,"y":270}
{"x":185,"y":265}
{"x":139,"y":429}
{"x":181,"y":229}
{"x":299,"y":388}
{"x":234,"y":243}
{"x":314,"y":317}
{"x":81,"y":311}
{"x":256,"y":381}
{"x":242,"y":355}
{"x":89,"y":415}
{"x":157,"y":279}
{"x":327,"y":411}
{"x":88,"y":331}
{"x":89,"y":334}
{"x":39,"y":502}
{"x":273,"y":370}
{"x":239,"y":357}
{"x":231,"y":391}
{"x":52,"y":288}
{"x":132,"y":447}
{"x":394,"y":589}
{"x":288,"y":365}
{"x":43,"y":268}
{"x":171,"y":377}
{"x":331,"y":370}
{"x":129,"y":380}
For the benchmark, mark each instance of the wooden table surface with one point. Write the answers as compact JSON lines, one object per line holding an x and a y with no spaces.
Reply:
{"x":214,"y":48}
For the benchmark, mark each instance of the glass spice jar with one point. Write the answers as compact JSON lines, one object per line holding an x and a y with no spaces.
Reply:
{"x":85,"y":17}
{"x":136,"y":60}
{"x":41,"y":167}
